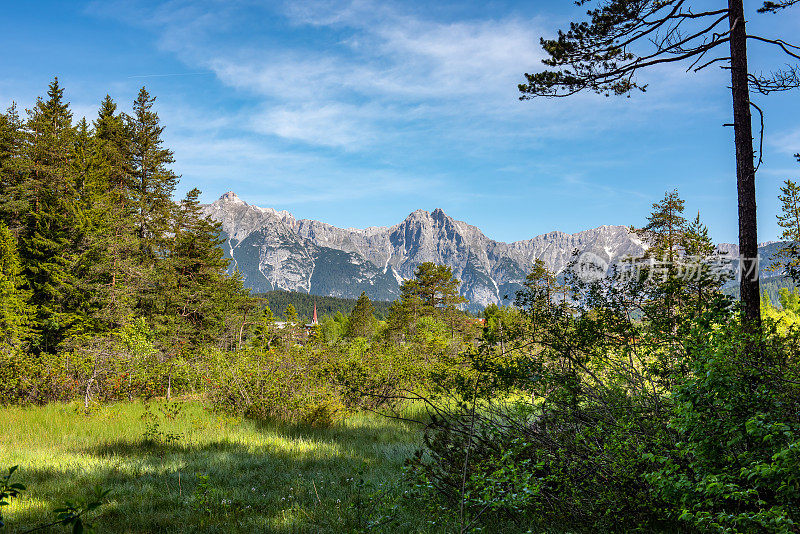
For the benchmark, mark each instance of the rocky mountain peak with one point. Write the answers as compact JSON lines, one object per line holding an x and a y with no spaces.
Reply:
{"x":231,"y":198}
{"x":418,"y":215}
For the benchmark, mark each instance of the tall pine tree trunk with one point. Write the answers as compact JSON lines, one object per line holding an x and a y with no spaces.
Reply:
{"x":745,"y":169}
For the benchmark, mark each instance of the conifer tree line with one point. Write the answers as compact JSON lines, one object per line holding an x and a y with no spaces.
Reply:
{"x":92,"y":243}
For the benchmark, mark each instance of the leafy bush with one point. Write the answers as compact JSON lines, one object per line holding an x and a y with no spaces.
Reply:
{"x":290,"y":385}
{"x":736,"y":464}
{"x":564,"y":399}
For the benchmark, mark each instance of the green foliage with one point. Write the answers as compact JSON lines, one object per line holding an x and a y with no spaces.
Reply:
{"x":290,"y":385}
{"x":666,"y":227}
{"x":789,"y":221}
{"x":362,"y":322}
{"x":74,"y":513}
{"x":433,"y":292}
{"x":9,"y":491}
{"x":290,"y":314}
{"x":15,"y":312}
{"x":547,"y":421}
{"x":153,"y":420}
{"x":332,"y":329}
{"x":433,"y":287}
{"x":789,"y":218}
{"x":98,"y":265}
{"x":152,"y":181}
{"x":734,"y":464}
{"x":787,"y":317}
{"x":265,"y":333}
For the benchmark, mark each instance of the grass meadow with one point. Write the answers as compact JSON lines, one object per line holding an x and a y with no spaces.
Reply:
{"x":191,"y":470}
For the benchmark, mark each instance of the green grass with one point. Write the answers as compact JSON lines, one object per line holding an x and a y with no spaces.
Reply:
{"x":218,"y":474}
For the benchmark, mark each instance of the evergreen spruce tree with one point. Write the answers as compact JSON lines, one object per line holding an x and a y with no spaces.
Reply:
{"x":696,"y":240}
{"x":93,"y":248}
{"x":112,"y":150}
{"x":11,"y":139}
{"x":10,"y":135}
{"x":196,"y":285}
{"x":152,"y":186}
{"x":52,"y":230}
{"x":81,"y":161}
{"x":362,"y":322}
{"x":789,"y":219}
{"x":153,"y":183}
{"x":113,"y":246}
{"x":700,"y":282}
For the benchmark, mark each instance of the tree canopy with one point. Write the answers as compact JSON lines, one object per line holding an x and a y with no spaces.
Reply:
{"x":620,"y":38}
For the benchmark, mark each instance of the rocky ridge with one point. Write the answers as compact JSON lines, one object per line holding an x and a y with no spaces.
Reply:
{"x":273,"y":250}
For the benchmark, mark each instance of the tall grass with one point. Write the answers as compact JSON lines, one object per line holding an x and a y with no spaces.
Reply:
{"x":204,"y":472}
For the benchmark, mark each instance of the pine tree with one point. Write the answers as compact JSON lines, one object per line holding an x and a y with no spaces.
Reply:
{"x":621,"y":38}
{"x":789,"y":220}
{"x":362,"y":322}
{"x":433,"y":287}
{"x":665,"y":228}
{"x":680,"y":280}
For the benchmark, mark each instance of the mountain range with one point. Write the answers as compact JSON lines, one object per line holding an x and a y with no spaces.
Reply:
{"x":272,"y":250}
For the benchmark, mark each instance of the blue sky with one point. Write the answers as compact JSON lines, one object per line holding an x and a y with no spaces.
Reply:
{"x":357,"y":113}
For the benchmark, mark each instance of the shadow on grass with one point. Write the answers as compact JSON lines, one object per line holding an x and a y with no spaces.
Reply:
{"x":285,"y":478}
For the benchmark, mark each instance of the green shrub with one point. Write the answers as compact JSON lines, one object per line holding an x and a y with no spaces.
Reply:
{"x":289,"y":384}
{"x":736,"y":464}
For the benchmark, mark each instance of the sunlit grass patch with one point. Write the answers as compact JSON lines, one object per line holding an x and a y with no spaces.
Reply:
{"x":202,"y":472}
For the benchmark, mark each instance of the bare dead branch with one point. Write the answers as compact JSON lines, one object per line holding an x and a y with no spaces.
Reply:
{"x":786,"y":47}
{"x":761,"y":141}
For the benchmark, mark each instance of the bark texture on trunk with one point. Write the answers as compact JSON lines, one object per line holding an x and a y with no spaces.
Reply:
{"x":745,"y":168}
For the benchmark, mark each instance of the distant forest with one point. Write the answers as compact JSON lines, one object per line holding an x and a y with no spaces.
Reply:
{"x":770,"y":287}
{"x":304,"y":304}
{"x":278,"y":300}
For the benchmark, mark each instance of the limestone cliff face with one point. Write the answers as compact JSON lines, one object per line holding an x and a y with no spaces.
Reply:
{"x":273,"y":250}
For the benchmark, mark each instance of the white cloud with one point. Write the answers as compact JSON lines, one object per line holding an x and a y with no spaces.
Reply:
{"x":787,"y":142}
{"x":329,"y":124}
{"x":387,"y":75}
